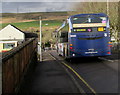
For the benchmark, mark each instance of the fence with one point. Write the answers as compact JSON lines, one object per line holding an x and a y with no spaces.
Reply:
{"x":15,"y":64}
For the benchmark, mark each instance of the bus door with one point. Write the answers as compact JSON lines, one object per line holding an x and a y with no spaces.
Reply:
{"x":61,"y":43}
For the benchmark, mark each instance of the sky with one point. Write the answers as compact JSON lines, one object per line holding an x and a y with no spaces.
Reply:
{"x":22,"y":6}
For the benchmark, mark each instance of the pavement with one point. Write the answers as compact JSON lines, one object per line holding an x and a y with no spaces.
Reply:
{"x":48,"y":77}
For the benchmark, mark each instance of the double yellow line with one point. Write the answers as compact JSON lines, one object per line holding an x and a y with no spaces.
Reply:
{"x":77,"y":76}
{"x":80,"y":77}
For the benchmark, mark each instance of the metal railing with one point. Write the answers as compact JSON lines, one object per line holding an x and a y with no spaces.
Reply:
{"x":15,"y":63}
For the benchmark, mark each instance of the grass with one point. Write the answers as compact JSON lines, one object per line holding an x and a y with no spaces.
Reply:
{"x":34,"y":15}
{"x":25,"y":25}
{"x":48,"y":26}
{"x":29,"y":22}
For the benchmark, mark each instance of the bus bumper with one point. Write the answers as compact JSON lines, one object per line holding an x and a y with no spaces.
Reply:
{"x":94,"y":54}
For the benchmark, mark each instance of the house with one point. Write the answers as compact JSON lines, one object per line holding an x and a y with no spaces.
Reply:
{"x":10,"y":37}
{"x":10,"y":32}
{"x":7,"y":45}
{"x":30,"y":35}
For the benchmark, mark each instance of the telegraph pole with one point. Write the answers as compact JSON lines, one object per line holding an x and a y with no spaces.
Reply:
{"x":40,"y":19}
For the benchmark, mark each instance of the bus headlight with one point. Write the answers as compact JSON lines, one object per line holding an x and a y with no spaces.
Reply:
{"x":73,"y":54}
{"x":74,"y":30}
{"x":100,"y":29}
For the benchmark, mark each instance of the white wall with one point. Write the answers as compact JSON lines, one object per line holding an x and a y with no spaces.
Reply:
{"x":9,"y":33}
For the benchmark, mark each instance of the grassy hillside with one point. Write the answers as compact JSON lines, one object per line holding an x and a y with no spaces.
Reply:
{"x":30,"y":22}
{"x":34,"y":14}
{"x":48,"y":26}
{"x":26,"y":25}
{"x":18,"y":17}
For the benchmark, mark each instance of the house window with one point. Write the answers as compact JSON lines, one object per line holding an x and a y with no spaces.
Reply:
{"x":8,"y":45}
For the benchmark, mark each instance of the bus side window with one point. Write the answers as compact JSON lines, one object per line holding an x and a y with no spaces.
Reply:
{"x":64,"y":37}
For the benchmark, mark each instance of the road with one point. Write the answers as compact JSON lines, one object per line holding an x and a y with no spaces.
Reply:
{"x":47,"y":77}
{"x":83,"y":75}
{"x":100,"y":74}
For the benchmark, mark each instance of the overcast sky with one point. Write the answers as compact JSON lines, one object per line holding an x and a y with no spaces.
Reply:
{"x":21,"y":6}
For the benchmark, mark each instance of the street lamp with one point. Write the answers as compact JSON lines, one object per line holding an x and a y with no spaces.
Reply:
{"x":40,"y":19}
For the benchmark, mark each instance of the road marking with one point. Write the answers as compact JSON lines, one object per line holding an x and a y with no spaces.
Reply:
{"x":80,"y":77}
{"x":78,"y":86}
{"x":77,"y":75}
{"x":76,"y":83}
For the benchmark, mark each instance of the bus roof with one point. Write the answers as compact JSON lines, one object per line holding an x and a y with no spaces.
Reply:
{"x":97,"y":14}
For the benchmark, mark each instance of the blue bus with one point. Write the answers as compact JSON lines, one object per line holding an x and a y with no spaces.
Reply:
{"x":84,"y":35}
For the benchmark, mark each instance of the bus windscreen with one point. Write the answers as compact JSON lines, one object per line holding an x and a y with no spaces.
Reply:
{"x":92,"y":19}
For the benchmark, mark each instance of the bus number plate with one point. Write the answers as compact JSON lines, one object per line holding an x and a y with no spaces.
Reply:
{"x":72,"y":35}
{"x":91,"y":52}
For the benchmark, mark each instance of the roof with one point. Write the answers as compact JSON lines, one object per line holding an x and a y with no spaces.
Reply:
{"x":96,"y":14}
{"x":12,"y":26}
{"x":16,"y":28}
{"x":30,"y":34}
{"x":27,"y":34}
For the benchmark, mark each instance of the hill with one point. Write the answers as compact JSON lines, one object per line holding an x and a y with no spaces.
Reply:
{"x":24,"y":17}
{"x":30,"y":22}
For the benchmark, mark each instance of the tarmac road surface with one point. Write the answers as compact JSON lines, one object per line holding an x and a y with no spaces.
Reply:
{"x":101,"y":75}
{"x":49,"y":76}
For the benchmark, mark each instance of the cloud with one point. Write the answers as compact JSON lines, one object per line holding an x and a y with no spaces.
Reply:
{"x":42,"y":0}
{"x":13,"y":7}
{"x":60,"y":0}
